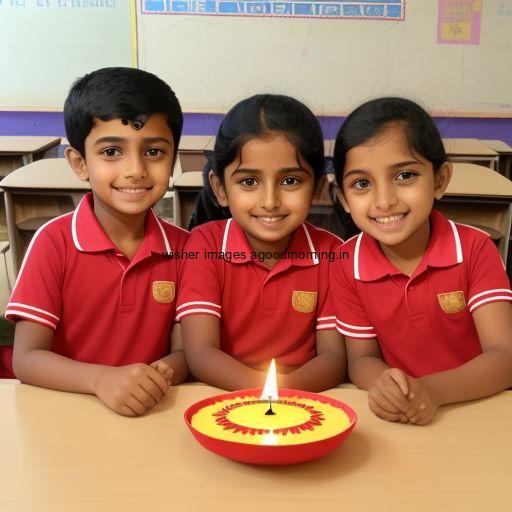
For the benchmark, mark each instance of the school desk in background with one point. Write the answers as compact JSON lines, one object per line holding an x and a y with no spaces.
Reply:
{"x":470,"y":151}
{"x":35,"y":194}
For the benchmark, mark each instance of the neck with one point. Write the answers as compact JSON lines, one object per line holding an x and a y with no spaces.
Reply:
{"x":407,"y":255}
{"x":126,"y":231}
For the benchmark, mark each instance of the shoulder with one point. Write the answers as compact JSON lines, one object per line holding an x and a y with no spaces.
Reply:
{"x":473,"y":239}
{"x":321,"y":238}
{"x":58,"y":230}
{"x":213,"y":230}
{"x":176,"y":235}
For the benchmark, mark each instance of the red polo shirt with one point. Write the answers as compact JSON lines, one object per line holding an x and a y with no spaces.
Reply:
{"x":423,"y":323}
{"x":103,"y":307}
{"x":263,"y":313}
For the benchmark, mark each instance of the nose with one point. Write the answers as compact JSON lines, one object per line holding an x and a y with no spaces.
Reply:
{"x":136,"y":167}
{"x":385,"y":196}
{"x":270,"y":198}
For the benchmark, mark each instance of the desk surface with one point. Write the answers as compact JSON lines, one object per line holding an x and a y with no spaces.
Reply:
{"x":45,"y":174}
{"x":467,"y":147}
{"x":478,"y":181}
{"x":25,"y":145}
{"x":62,"y":451}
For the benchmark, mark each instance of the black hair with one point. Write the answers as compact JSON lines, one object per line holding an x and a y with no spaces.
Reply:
{"x":373,"y":117}
{"x":257,"y":117}
{"x":262,"y":115}
{"x":119,"y":93}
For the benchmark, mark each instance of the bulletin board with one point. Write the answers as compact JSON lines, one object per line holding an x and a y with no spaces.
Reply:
{"x":332,"y":63}
{"x":45,"y":45}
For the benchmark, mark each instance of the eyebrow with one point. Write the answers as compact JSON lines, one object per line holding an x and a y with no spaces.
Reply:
{"x":284,"y":170}
{"x":117,"y":140}
{"x":392,"y":166}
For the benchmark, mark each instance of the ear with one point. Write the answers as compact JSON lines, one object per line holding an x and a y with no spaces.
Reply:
{"x":340,"y":197}
{"x":77,"y":162}
{"x":218,"y":189}
{"x":442,"y":179}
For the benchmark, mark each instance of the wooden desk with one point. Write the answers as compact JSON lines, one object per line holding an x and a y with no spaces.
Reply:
{"x":18,"y":151}
{"x":504,"y":155}
{"x":34,"y":194}
{"x":63,"y":451}
{"x":470,"y":151}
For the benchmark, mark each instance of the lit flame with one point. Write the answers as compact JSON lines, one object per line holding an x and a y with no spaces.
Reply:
{"x":270,"y":389}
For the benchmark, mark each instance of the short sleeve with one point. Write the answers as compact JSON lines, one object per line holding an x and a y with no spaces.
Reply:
{"x":351,"y":318}
{"x":200,"y":284}
{"x":488,"y":280}
{"x":37,"y":293}
{"x":326,"y":314}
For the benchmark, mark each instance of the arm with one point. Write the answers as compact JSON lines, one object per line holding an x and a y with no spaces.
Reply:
{"x":326,"y":370}
{"x":174,"y":366}
{"x":388,"y":387}
{"x":489,"y":372}
{"x":208,"y":363}
{"x":128,"y":390}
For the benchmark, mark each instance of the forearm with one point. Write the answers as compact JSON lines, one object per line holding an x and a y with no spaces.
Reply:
{"x":47,"y":369}
{"x":364,"y":371}
{"x":178,"y":363}
{"x":325,"y":371}
{"x":486,"y":374}
{"x":221,"y":370}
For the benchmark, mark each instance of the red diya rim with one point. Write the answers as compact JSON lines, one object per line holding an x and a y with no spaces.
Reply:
{"x":271,"y":454}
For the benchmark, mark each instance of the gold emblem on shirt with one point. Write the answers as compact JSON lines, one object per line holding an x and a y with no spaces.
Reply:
{"x":163,"y":291}
{"x":452,"y":302}
{"x":304,"y":302}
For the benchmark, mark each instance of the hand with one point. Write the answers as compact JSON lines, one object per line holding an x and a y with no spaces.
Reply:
{"x":130,"y":390}
{"x":164,"y":369}
{"x":423,"y":406}
{"x":387,"y":397}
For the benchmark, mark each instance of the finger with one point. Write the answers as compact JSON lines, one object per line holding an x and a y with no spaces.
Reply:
{"x":382,"y":413}
{"x":152,"y":389}
{"x":393,"y":393}
{"x":383,"y":402}
{"x":126,"y":411}
{"x":135,"y":405}
{"x":425,"y":420}
{"x":159,"y":380}
{"x":144,"y":397}
{"x":403,"y":419}
{"x":399,"y":377}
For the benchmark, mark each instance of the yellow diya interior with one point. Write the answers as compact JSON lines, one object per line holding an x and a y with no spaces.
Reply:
{"x":297,"y":420}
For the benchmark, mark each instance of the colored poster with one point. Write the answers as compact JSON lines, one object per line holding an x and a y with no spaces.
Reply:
{"x":393,"y":10}
{"x":459,"y":21}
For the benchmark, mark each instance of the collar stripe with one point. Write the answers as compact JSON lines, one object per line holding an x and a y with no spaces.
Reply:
{"x":458,"y":247}
{"x":356,"y":257}
{"x":164,"y":236}
{"x":225,"y":238}
{"x":73,"y":226}
{"x":311,"y":246}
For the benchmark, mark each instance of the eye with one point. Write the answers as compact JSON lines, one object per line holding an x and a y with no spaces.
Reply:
{"x":361,"y":184}
{"x":405,"y":176}
{"x":290,"y":181}
{"x":111,"y":152}
{"x":155,"y":152}
{"x":249,"y":182}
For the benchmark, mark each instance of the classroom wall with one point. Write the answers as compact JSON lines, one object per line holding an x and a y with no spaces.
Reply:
{"x":52,"y":123}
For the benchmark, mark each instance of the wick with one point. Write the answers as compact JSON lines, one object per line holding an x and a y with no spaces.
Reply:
{"x":270,"y":412}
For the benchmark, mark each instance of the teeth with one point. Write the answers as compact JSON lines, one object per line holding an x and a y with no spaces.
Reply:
{"x":132,"y":190}
{"x":270,"y":220}
{"x":387,"y":220}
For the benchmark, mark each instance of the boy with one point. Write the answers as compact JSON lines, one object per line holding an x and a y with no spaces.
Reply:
{"x":94,"y":299}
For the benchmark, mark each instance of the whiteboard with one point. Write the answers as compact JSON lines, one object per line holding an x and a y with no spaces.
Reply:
{"x":332,"y":65}
{"x":45,"y":45}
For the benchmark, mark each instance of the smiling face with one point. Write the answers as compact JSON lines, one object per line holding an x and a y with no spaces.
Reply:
{"x":389,"y":191}
{"x":128,"y":169}
{"x":268,"y":190}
